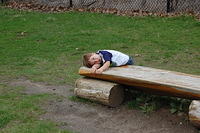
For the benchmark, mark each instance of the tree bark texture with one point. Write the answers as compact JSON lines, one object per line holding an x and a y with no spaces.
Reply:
{"x":194,"y":113}
{"x":105,"y":92}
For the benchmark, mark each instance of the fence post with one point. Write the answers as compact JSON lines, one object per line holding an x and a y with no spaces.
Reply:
{"x":3,"y":1}
{"x":70,"y":3}
{"x":169,"y":5}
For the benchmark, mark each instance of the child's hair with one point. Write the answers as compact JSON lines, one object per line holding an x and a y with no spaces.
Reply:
{"x":86,"y":58}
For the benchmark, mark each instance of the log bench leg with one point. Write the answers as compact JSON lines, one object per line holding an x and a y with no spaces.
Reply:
{"x":194,"y":113}
{"x":108,"y":93}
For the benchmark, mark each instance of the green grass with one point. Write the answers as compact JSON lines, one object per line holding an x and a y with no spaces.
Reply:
{"x":149,"y":103}
{"x":48,"y":47}
{"x":19,"y":113}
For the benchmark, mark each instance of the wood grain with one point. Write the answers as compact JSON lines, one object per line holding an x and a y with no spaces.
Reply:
{"x":164,"y":81}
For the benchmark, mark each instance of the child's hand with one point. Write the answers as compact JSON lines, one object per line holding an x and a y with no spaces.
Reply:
{"x":99,"y":71}
{"x":103,"y":68}
{"x":93,"y":70}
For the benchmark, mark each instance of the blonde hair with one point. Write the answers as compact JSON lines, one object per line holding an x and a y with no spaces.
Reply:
{"x":86,"y":58}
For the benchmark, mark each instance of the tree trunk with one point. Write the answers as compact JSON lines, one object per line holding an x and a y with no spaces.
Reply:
{"x":105,"y":92}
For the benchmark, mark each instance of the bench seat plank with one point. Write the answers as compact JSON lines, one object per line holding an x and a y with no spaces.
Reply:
{"x":156,"y":80}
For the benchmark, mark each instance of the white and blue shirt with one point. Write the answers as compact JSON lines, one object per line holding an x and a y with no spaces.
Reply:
{"x":115,"y":57}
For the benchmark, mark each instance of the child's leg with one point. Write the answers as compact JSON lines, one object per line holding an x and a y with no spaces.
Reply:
{"x":130,"y":61}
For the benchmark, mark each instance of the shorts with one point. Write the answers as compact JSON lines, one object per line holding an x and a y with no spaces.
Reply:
{"x":130,"y":61}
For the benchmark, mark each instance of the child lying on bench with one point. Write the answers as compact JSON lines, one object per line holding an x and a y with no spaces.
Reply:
{"x":103,"y":59}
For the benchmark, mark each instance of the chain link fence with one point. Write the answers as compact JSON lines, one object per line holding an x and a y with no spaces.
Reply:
{"x":152,"y":6}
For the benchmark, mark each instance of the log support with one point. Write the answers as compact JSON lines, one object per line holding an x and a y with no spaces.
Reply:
{"x":107,"y":93}
{"x":194,"y":113}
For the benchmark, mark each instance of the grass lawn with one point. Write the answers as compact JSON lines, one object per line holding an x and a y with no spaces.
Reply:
{"x":47,"y":47}
{"x":19,"y":113}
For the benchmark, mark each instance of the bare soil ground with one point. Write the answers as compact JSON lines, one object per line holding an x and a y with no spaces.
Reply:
{"x":89,"y":118}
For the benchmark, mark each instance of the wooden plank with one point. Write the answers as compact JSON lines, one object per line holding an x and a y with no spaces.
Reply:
{"x":157,"y":80}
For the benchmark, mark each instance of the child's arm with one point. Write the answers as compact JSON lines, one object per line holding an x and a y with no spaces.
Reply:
{"x":95,"y":67}
{"x":103,"y":68}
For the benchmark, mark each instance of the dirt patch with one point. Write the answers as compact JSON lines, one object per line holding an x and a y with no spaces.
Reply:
{"x":39,"y":88}
{"x":87,"y":118}
{"x":101,"y":119}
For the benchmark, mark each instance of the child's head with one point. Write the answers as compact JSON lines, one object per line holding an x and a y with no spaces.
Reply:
{"x":90,"y":59}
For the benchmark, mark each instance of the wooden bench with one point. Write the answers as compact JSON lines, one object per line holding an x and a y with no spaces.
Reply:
{"x":151,"y":79}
